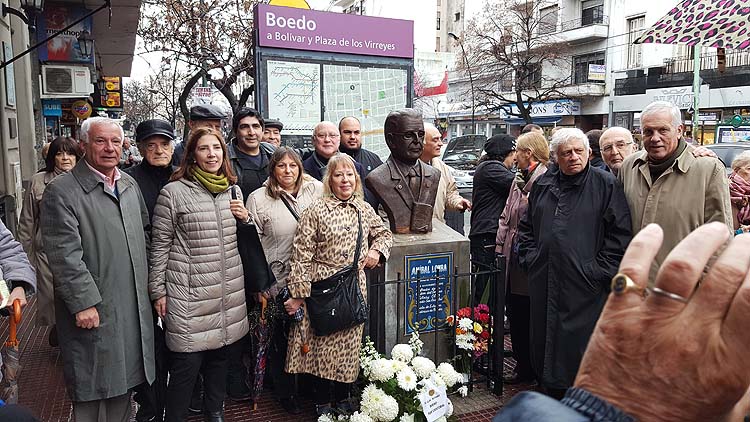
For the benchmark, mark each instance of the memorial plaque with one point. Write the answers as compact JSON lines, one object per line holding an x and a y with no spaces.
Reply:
{"x":428,"y":293}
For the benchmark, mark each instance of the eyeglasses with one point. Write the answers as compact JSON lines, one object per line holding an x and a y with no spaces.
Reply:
{"x":619,"y":145}
{"x":324,"y":136}
{"x":411,"y":135}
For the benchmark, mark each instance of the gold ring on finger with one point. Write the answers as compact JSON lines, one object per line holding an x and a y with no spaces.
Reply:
{"x":622,"y":284}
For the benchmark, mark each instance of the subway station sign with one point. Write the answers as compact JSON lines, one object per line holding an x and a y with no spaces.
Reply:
{"x":301,"y":29}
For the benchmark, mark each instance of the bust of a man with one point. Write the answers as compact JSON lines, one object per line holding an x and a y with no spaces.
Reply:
{"x":405,"y":185}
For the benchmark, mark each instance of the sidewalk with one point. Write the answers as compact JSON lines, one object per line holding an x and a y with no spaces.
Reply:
{"x":42,"y":387}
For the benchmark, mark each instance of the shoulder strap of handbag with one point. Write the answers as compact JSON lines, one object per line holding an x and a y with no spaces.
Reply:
{"x":289,"y":207}
{"x":359,"y":240}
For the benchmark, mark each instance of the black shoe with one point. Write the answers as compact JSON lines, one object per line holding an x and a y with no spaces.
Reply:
{"x":322,"y":409}
{"x":290,"y":405}
{"x":213,"y":416}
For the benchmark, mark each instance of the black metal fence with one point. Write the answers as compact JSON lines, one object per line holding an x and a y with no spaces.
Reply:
{"x":394,"y":315}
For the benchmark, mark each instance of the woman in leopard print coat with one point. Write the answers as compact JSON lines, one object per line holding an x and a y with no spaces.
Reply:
{"x":325,"y":242}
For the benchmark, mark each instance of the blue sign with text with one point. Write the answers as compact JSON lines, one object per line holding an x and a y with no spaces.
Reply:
{"x":429,"y":295}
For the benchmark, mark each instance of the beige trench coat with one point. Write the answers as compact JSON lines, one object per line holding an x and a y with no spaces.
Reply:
{"x":447,"y":194}
{"x":276,"y":225}
{"x":325,"y":242}
{"x":30,"y":237}
{"x":691,"y":193}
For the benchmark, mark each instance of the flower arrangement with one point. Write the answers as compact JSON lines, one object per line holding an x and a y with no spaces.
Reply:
{"x":472,"y":335}
{"x":394,"y":385}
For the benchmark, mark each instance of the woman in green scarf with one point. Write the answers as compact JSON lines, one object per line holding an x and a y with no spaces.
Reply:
{"x":196,"y":277}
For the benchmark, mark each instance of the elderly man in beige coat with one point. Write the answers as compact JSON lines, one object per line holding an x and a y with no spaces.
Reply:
{"x":666,"y":184}
{"x":447,"y":194}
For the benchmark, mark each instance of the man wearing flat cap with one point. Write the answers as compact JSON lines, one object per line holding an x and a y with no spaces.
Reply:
{"x":203,"y":115}
{"x":272,"y":132}
{"x":155,"y":141}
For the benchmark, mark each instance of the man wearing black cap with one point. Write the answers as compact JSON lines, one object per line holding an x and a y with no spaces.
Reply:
{"x":204,"y":115}
{"x":272,"y":132}
{"x":155,"y":141}
{"x":492,"y":181}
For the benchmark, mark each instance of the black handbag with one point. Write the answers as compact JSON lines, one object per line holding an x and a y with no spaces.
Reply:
{"x":336,"y":303}
{"x":258,"y":274}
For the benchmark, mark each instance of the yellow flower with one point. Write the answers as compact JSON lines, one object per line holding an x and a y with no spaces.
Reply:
{"x":478,"y":328}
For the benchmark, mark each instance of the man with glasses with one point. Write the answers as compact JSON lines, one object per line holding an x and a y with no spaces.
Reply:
{"x":326,"y":141}
{"x":616,"y":144}
{"x":405,"y":185}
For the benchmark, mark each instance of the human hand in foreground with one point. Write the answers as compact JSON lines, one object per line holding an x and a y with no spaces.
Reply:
{"x":238,"y":210}
{"x":17,"y":293}
{"x":701,"y":151}
{"x":291,"y":305}
{"x":160,"y":305}
{"x":465,"y":204}
{"x":661,"y":359}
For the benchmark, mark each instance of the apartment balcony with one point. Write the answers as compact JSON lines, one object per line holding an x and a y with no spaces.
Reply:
{"x":588,"y":89}
{"x":584,"y":30}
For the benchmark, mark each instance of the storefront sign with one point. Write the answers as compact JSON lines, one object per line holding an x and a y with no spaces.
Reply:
{"x":597,"y":72}
{"x":109,"y":99}
{"x":553,"y":108}
{"x":429,"y":299}
{"x":81,"y":109}
{"x":52,"y":108}
{"x":732,"y":134}
{"x":202,"y":95}
{"x":300,"y":29}
{"x":64,"y":47}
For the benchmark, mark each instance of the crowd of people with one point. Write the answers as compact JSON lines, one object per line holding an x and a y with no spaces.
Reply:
{"x":139,"y":273}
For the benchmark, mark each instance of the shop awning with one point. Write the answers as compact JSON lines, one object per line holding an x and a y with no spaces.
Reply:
{"x":549,"y":120}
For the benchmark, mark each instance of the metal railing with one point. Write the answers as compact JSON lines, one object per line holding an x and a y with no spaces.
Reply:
{"x":596,"y":19}
{"x":708,"y":61}
{"x":447,"y":293}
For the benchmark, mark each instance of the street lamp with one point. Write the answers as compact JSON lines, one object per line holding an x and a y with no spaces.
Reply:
{"x":31,"y":7}
{"x":86,"y":43}
{"x":471,"y":80}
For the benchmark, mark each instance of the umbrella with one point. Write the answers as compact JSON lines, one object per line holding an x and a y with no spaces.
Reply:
{"x":709,"y":23}
{"x":262,"y":329}
{"x":11,"y":359}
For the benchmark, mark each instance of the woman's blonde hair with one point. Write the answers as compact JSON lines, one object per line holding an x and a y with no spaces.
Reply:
{"x":741,"y":160}
{"x":341,"y":160}
{"x":536,"y":143}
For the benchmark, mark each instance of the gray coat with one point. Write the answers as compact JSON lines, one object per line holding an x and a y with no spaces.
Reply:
{"x":15,"y":268}
{"x":196,"y":265}
{"x":96,"y":247}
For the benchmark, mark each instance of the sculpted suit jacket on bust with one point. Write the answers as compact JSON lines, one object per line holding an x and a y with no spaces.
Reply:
{"x":393,"y":192}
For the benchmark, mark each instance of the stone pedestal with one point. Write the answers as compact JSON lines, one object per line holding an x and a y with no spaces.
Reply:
{"x":428,"y":290}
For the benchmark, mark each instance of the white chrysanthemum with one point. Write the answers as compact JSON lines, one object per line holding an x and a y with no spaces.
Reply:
{"x":325,"y":418}
{"x":423,"y":367}
{"x":407,"y":379}
{"x":360,"y":417}
{"x":449,"y":374}
{"x":466,"y":324}
{"x":381,"y":370}
{"x":397,"y":365}
{"x":450,"y":408}
{"x":402,"y":353}
{"x":463,"y":391}
{"x":379,"y":406}
{"x":437,"y":380}
{"x":407,"y":418}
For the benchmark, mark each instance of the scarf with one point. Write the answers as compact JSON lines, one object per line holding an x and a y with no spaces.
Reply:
{"x":657,"y":168}
{"x":523,"y":176}
{"x":739,"y":191}
{"x":58,"y":171}
{"x":214,"y":183}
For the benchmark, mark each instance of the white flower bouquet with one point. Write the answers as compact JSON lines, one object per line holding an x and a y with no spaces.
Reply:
{"x":394,"y":385}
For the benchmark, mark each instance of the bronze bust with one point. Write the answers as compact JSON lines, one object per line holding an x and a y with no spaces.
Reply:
{"x":405,"y":185}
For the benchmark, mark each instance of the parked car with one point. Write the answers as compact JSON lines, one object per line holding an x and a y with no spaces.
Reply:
{"x":727,"y":151}
{"x":462,"y":154}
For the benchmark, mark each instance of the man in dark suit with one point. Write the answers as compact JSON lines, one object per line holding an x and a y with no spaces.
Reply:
{"x":405,"y":186}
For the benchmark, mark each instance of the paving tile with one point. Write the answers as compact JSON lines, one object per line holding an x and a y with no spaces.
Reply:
{"x":42,"y":387}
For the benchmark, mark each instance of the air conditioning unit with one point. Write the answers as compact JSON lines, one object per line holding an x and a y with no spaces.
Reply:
{"x":66,"y":81}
